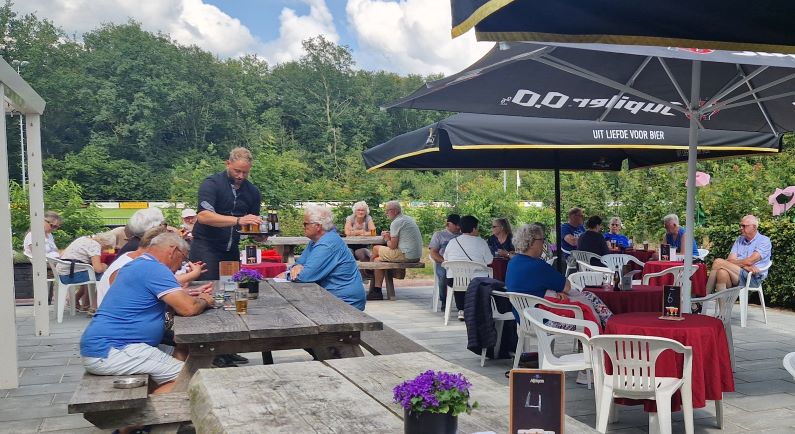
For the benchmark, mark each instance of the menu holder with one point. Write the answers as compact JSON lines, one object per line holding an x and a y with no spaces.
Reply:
{"x":665,"y":252}
{"x":537,"y":401}
{"x":671,"y":302}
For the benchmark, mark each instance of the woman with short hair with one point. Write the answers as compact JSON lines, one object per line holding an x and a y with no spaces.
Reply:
{"x":52,"y":222}
{"x":360,"y":224}
{"x":614,"y":233}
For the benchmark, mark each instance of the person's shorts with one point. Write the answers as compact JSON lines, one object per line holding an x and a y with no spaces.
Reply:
{"x":137,"y":359}
{"x":77,"y":277}
{"x":393,"y":255}
{"x":756,"y":281}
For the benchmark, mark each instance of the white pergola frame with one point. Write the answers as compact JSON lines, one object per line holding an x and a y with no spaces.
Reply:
{"x":19,"y":97}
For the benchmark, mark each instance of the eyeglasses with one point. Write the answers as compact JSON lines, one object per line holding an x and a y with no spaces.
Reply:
{"x":614,"y":224}
{"x":53,"y":226}
{"x":539,"y":239}
{"x":742,"y":226}
{"x":310,"y":223}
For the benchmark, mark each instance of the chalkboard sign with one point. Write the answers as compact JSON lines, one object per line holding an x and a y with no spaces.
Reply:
{"x":671,"y":302}
{"x":537,"y":401}
{"x":665,"y":252}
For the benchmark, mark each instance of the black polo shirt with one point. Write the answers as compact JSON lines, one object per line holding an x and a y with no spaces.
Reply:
{"x":217,"y":195}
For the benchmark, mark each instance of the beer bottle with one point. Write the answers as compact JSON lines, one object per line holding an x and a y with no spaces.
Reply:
{"x":617,"y":280}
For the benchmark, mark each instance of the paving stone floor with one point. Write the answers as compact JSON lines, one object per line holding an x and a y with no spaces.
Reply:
{"x":764,"y":401}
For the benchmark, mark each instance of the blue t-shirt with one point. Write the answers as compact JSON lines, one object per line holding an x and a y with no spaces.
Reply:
{"x":329,"y":263}
{"x":533,"y":276}
{"x":669,"y":239}
{"x":621,"y":240}
{"x":132,"y":312}
{"x":744,"y":249}
{"x":567,"y":229}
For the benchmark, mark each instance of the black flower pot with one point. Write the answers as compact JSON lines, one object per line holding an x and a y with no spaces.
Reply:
{"x":253,"y":289}
{"x":429,"y":423}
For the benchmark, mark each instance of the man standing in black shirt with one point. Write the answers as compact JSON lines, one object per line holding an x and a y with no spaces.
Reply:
{"x":227,"y":200}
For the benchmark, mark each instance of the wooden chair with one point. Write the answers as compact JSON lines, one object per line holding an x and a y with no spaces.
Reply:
{"x":64,"y":289}
{"x":462,"y":272}
{"x":724,"y":302}
{"x":745,"y":289}
{"x":633,"y":360}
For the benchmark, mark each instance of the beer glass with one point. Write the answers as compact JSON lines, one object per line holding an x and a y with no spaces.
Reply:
{"x":241,"y":300}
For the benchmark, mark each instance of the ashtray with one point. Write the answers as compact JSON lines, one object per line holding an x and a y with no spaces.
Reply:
{"x":128,"y":383}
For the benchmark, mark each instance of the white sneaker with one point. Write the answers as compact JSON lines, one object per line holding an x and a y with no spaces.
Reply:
{"x":582,"y":377}
{"x":460,"y":315}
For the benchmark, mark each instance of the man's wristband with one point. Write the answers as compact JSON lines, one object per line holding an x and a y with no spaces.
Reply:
{"x":237,"y":222}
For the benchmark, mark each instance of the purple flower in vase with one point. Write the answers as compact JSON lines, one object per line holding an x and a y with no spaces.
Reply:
{"x":247,"y":276}
{"x":435,"y":392}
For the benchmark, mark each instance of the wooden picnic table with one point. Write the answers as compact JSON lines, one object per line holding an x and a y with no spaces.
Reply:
{"x":285,"y":316}
{"x":288,"y":244}
{"x":334,"y":396}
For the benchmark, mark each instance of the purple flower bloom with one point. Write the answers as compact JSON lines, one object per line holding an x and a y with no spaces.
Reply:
{"x":435,"y":392}
{"x":245,"y":276}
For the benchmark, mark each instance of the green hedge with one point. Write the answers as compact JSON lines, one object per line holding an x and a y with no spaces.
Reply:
{"x":779,"y":283}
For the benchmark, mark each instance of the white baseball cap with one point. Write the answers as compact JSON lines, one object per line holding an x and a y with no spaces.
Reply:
{"x":188,"y":212}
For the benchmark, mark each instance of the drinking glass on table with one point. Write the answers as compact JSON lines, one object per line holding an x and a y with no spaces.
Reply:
{"x":645,"y":245}
{"x":241,"y":300}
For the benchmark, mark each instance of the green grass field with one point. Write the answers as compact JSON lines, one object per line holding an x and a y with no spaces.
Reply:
{"x":116,"y":212}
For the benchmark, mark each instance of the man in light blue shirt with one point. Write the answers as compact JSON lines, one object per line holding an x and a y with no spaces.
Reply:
{"x":326,"y":260}
{"x":750,"y":254}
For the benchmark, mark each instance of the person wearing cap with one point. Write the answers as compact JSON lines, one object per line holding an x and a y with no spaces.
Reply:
{"x":188,"y":220}
{"x":439,"y":241}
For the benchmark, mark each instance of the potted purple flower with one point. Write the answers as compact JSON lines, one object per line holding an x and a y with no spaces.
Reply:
{"x":432,"y":402}
{"x":248,"y":279}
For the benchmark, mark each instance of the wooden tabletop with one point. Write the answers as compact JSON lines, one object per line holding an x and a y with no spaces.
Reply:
{"x":282,"y":310}
{"x":336,"y":396}
{"x":299,"y":241}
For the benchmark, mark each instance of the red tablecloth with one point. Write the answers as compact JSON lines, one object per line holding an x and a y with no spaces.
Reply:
{"x":642,"y":298}
{"x":712,"y":369}
{"x":699,"y":279}
{"x":107,"y":258}
{"x":499,"y":266}
{"x":267,"y":269}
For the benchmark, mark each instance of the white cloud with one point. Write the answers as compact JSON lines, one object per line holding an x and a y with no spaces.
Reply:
{"x":189,"y":22}
{"x":410,"y":36}
{"x":294,"y":28}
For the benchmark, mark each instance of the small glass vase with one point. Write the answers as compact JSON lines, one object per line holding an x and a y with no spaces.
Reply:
{"x":253,"y":289}
{"x":429,"y":423}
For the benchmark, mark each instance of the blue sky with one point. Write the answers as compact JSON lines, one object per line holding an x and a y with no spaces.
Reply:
{"x":401,"y":36}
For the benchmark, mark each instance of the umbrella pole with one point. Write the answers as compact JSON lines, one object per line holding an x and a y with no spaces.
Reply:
{"x":559,"y":251}
{"x":692,"y":154}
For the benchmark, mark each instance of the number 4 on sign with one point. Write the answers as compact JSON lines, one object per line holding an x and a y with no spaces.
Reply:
{"x":528,"y":402}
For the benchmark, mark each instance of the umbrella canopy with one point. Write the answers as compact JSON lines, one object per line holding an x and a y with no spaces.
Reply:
{"x":476,"y":141}
{"x":741,"y":91}
{"x":763,"y":25}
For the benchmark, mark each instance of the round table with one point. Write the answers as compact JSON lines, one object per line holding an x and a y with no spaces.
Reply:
{"x":699,"y":279}
{"x":266,"y":269}
{"x":712,"y":368}
{"x":642,"y":298}
{"x":499,"y":266}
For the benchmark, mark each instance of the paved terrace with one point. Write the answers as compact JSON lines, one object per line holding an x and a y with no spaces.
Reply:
{"x":50,"y":367}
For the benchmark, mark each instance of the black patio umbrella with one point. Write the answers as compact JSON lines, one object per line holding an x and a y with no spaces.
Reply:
{"x":740,"y":91}
{"x":477,"y":141}
{"x":763,"y":25}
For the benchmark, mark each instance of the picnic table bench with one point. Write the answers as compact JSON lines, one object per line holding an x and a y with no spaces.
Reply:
{"x":389,"y":269}
{"x":287,"y":244}
{"x":335,"y":396}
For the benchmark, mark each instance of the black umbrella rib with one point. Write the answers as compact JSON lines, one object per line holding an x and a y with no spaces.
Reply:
{"x":629,"y":83}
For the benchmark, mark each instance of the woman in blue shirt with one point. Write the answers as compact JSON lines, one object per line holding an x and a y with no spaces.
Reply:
{"x":675,"y":234}
{"x":613,"y":234}
{"x":326,"y":260}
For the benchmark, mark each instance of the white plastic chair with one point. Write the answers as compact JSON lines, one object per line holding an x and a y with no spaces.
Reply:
{"x":498,"y":317}
{"x":744,"y":290}
{"x":546,"y":336}
{"x":789,"y":363}
{"x":620,"y":260}
{"x":583,"y":256}
{"x":70,"y":289}
{"x":724,"y":302}
{"x":586,"y":266}
{"x":678,"y":272}
{"x":582,"y":279}
{"x":633,"y":359}
{"x":702,"y":254}
{"x":50,"y":280}
{"x":462,"y":272}
{"x":435,"y":299}
{"x":520,"y":302}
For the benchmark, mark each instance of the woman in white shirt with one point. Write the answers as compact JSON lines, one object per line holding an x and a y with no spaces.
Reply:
{"x":467,"y":247}
{"x":52,"y":222}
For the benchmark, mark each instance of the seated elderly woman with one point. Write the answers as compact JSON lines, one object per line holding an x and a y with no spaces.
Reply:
{"x":326,"y":260}
{"x":614,"y":234}
{"x":529,"y":274}
{"x":85,"y":250}
{"x":52,"y":221}
{"x":358,"y":224}
{"x":140,"y":222}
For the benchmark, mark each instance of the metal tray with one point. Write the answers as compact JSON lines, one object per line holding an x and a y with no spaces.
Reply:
{"x":128,"y":383}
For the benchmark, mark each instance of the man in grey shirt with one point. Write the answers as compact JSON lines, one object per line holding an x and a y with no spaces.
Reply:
{"x":437,"y":245}
{"x":403,"y":244}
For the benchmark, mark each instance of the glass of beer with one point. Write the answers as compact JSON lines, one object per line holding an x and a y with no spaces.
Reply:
{"x":645,"y":245}
{"x":372,"y":232}
{"x":241,"y":300}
